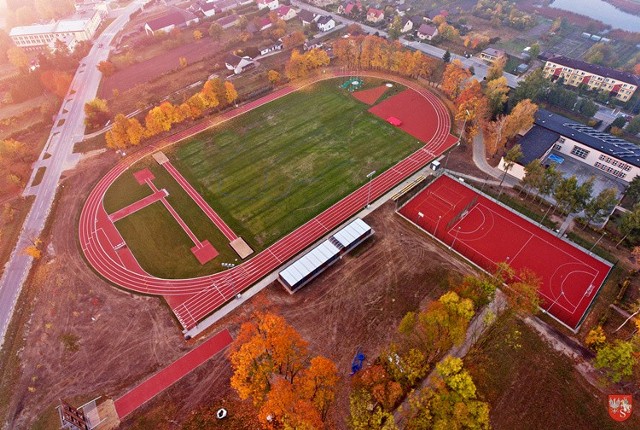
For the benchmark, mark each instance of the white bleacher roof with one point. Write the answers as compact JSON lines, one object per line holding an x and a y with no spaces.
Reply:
{"x":352,"y":232}
{"x":309,"y":262}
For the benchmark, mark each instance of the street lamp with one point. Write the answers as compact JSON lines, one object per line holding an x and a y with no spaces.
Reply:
{"x":545,"y":215}
{"x":369,"y":175}
{"x":464,"y":125}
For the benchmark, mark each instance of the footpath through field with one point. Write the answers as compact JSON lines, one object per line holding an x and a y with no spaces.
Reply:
{"x":168,"y":376}
{"x":193,"y":299}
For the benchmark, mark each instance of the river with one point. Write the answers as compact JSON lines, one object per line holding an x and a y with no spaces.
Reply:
{"x":601,"y":11}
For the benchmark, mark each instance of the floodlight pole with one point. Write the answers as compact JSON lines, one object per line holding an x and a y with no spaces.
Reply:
{"x":545,"y":215}
{"x":598,"y":241}
{"x":370,"y":176}
{"x":435,"y":231}
{"x":464,"y":125}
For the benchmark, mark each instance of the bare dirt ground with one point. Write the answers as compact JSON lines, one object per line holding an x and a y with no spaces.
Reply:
{"x":85,"y":337}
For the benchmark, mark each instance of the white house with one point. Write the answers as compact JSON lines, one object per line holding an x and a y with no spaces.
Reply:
{"x":270,"y":48}
{"x":238,"y":64}
{"x":554,"y":133}
{"x":81,"y":26}
{"x":325,"y":23}
{"x":306,"y":16}
{"x":427,"y":32}
{"x":168,"y":22}
{"x":271,"y":4}
{"x":286,"y":13}
{"x":208,"y":9}
{"x":374,"y":15}
{"x":407,"y":24}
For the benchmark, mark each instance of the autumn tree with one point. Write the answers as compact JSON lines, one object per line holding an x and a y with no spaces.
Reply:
{"x":367,"y":414}
{"x":496,"y":69}
{"x":56,"y":81}
{"x":274,"y":77}
{"x":96,"y":113}
{"x":496,"y":92}
{"x":107,"y":68}
{"x":616,"y":359}
{"x":596,"y":338}
{"x":197,"y":35}
{"x":34,"y":250}
{"x":231,"y":95}
{"x":215,"y":31}
{"x":18,"y":58}
{"x":120,"y":136}
{"x":293,"y":40}
{"x":522,"y":292}
{"x":471,"y":107}
{"x":453,"y":78}
{"x":451,"y":402}
{"x":521,"y":118}
{"x":271,"y":366}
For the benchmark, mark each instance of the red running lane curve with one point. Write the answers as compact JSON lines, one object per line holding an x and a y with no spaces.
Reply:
{"x":171,"y":374}
{"x":202,"y":204}
{"x":194,"y":298}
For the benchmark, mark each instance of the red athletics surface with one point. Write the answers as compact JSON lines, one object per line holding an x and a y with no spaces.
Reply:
{"x":371,"y":95}
{"x":143,"y":175}
{"x":171,"y":374}
{"x":413,"y":110}
{"x":193,"y":299}
{"x":213,"y":216}
{"x":140,"y":204}
{"x":489,"y":234}
{"x":205,"y":252}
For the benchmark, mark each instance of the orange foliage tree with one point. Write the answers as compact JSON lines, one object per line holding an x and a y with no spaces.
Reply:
{"x":271,"y":366}
{"x":452,"y":79}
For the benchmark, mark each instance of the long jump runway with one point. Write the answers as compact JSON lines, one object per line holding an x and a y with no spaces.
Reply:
{"x":488,"y":233}
{"x":193,"y":299}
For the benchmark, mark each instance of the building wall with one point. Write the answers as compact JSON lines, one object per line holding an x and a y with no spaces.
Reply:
{"x":37,"y":39}
{"x":575,"y":77}
{"x":597,"y":159}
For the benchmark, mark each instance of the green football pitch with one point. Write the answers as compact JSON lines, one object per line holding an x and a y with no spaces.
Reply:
{"x":265,"y":173}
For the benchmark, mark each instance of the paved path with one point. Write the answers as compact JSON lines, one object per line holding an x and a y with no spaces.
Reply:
{"x":171,"y":374}
{"x":67,"y":130}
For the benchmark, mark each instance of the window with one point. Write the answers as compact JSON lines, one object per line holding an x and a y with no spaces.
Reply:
{"x":561,"y":140}
{"x":579,"y":152}
{"x":557,"y":147}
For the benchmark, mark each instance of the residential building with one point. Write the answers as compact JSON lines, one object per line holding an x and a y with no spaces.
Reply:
{"x":618,"y":84}
{"x":552,"y":132}
{"x":226,"y":5}
{"x":170,"y":21}
{"x":238,"y":64}
{"x":286,"y":13}
{"x":325,"y":23}
{"x":322,"y":3}
{"x":407,"y":24}
{"x":270,"y":48}
{"x":374,"y":15}
{"x":271,"y":4}
{"x":350,"y":8}
{"x":427,"y":32}
{"x":208,"y":9}
{"x":81,"y":27}
{"x":491,"y":55}
{"x":306,"y":16}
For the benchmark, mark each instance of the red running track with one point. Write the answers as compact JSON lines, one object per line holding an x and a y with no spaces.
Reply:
{"x":202,"y":204}
{"x":171,"y":374}
{"x":193,"y":299}
{"x":490,"y":233}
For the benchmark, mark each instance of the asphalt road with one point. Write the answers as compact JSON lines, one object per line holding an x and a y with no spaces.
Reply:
{"x":480,"y":67}
{"x":67,"y":130}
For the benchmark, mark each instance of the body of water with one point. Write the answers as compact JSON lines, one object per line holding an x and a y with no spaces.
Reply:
{"x":601,"y":11}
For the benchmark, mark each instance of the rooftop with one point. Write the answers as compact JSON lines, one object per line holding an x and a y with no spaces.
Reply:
{"x":603,"y":142}
{"x":427,"y":29}
{"x":605,"y":72}
{"x":173,"y":18}
{"x":535,"y":143}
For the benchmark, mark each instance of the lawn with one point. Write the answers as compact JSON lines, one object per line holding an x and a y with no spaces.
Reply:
{"x":265,"y":174}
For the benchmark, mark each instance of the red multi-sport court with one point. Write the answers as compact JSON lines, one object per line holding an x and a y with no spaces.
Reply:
{"x":193,"y":299}
{"x":488,"y":233}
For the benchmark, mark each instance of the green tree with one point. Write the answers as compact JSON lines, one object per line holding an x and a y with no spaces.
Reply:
{"x":600,"y":206}
{"x":534,"y":51}
{"x":633,"y":190}
{"x":215,"y":31}
{"x":395,"y":29}
{"x":634,"y":125}
{"x":630,"y":224}
{"x":550,"y":180}
{"x":533,"y":175}
{"x":446,"y":57}
{"x":532,"y":87}
{"x":587,"y":107}
{"x":616,"y":359}
{"x":619,"y":122}
{"x":510,"y":159}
